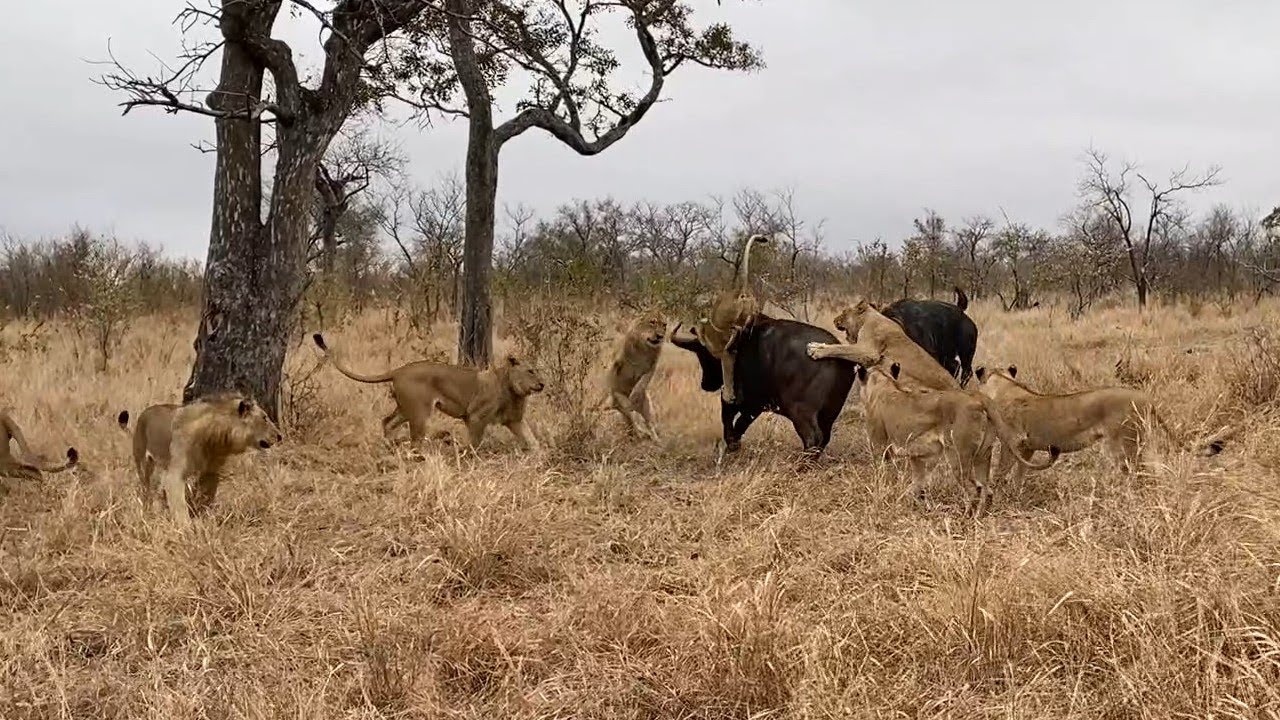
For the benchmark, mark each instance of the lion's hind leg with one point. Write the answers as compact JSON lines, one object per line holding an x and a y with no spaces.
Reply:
{"x":146,"y":468}
{"x":392,"y":422}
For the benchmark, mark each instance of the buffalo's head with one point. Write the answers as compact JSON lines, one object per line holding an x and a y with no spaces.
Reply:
{"x":686,"y":338}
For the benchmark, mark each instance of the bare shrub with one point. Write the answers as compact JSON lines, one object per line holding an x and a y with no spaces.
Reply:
{"x":27,"y":342}
{"x":301,"y":406}
{"x":109,"y":302}
{"x":564,"y":340}
{"x":1252,"y":376}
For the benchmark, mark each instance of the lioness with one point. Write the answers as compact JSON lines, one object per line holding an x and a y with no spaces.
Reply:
{"x":1120,"y":416}
{"x":479,"y":398}
{"x":194,"y":441}
{"x":631,"y":371}
{"x":26,"y":465}
{"x":876,"y":339}
{"x":733,"y":310}
{"x":926,"y":425}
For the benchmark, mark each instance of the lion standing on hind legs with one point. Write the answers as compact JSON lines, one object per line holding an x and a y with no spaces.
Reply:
{"x":875,"y":339}
{"x":26,"y":466}
{"x":732,"y":312}
{"x":631,"y":371}
{"x":194,"y":441}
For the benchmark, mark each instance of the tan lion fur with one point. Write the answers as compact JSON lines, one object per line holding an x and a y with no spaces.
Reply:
{"x":631,"y":371}
{"x":26,"y":465}
{"x":926,"y":426}
{"x":875,"y":339}
{"x":1120,"y":416}
{"x":194,"y":441}
{"x":732,"y":311}
{"x":479,"y":398}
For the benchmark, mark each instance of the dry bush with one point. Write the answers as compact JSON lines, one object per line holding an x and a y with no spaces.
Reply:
{"x":564,"y":341}
{"x":109,"y":301}
{"x":1253,"y":375}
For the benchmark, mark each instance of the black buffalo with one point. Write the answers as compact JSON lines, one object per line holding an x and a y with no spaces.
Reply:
{"x":942,"y":329}
{"x":773,"y":373}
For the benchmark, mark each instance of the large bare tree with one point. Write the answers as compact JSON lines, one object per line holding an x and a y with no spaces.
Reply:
{"x":1110,"y":193}
{"x":558,"y":46}
{"x":259,"y":234}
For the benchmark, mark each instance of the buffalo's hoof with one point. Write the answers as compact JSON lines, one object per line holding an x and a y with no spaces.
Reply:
{"x":732,"y":445}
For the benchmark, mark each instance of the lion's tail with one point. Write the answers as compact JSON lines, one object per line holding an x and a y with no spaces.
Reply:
{"x":962,"y":300}
{"x":372,"y":379}
{"x":10,"y":426}
{"x":1210,"y":447}
{"x":746,"y":261}
{"x":1008,"y":436}
{"x":73,"y":457}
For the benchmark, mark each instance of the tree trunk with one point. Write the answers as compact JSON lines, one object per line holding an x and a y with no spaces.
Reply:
{"x":253,"y":271}
{"x":252,"y":285}
{"x":328,"y":232}
{"x":1139,"y":275}
{"x":475,"y":333}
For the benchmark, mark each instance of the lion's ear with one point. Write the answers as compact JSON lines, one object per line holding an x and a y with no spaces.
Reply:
{"x":861,"y":306}
{"x":244,"y":407}
{"x":894,"y":370}
{"x":1013,"y":371}
{"x":862,"y":374}
{"x":981,"y":374}
{"x":512,"y":360}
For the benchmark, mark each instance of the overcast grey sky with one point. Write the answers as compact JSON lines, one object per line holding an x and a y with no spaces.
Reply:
{"x":870,"y":109}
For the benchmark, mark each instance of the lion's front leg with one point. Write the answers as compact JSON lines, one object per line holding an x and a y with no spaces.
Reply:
{"x":173,"y":482}
{"x":861,"y":354}
{"x":521,"y":429}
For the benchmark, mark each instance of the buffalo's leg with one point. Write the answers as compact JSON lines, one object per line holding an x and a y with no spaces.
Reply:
{"x":966,"y":364}
{"x":735,"y":422}
{"x":811,"y":435}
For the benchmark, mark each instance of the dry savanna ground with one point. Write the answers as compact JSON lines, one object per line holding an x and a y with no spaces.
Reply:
{"x":614,"y":578}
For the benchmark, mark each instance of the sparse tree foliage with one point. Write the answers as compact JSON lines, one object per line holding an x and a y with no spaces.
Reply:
{"x":559,"y":47}
{"x":1110,"y":193}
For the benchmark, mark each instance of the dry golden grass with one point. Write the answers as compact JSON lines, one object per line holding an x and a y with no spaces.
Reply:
{"x":628,"y":579}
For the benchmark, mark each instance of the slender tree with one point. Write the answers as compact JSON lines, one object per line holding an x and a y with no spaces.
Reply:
{"x":557,"y":45}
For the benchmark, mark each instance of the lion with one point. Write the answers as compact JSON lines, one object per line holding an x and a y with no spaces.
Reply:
{"x":631,"y":371}
{"x":479,"y":398}
{"x":194,"y":440}
{"x":926,"y":425}
{"x":732,"y":311}
{"x":1073,"y":422}
{"x":874,"y":339}
{"x":26,"y":465}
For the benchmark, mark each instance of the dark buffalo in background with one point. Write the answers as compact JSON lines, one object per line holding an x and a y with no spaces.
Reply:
{"x":775,"y":374}
{"x":942,"y":329}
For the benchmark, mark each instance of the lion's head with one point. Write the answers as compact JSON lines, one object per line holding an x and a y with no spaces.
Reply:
{"x":851,"y":319}
{"x":522,"y":378}
{"x":650,"y":329}
{"x":242,"y":421}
